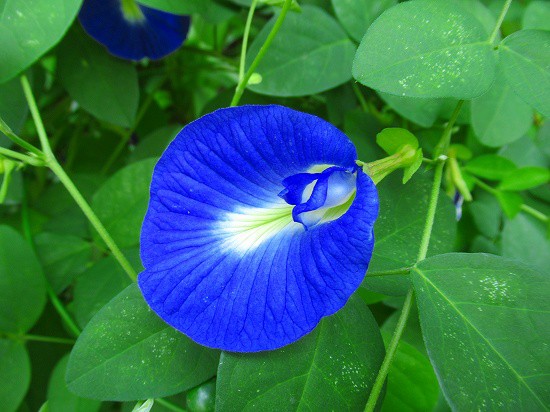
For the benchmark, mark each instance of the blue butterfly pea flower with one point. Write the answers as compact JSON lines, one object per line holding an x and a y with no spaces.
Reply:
{"x":259,"y":224}
{"x":132,"y":31}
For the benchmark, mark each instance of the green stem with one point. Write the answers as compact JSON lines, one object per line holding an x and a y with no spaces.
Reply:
{"x":58,"y":306}
{"x":92,"y":217}
{"x":24,"y":158}
{"x":4,"y":128}
{"x":390,"y":352}
{"x":37,"y":338}
{"x":360,"y":97}
{"x":56,"y":168}
{"x":527,"y":209}
{"x":400,"y":271}
{"x":245,"y":39}
{"x":424,"y":243}
{"x":443,"y":144}
{"x":432,"y":207}
{"x":244,"y":81}
{"x":535,"y":213}
{"x":169,"y":405}
{"x":499,"y":21}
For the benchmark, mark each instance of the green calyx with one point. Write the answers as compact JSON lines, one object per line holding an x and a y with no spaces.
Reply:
{"x":131,"y":11}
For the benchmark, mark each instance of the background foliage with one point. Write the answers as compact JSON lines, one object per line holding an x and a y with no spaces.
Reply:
{"x":473,"y":287}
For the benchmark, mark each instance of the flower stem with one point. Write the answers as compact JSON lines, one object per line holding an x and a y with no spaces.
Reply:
{"x":244,"y":81}
{"x":56,"y":168}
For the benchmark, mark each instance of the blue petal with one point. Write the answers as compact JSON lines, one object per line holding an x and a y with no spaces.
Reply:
{"x":154,"y":35}
{"x":224,"y":261}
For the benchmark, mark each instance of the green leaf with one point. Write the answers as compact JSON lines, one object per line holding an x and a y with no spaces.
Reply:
{"x":154,"y":143}
{"x":393,"y":139}
{"x":122,"y":201}
{"x":13,"y":108}
{"x":29,"y":28}
{"x":500,"y":116}
{"x":211,"y":10}
{"x":332,"y":368}
{"x":423,"y":112}
{"x":537,"y":16}
{"x":485,"y":324}
{"x":127,"y":353}
{"x":362,"y":128}
{"x":412,"y":384}
{"x":15,"y":374}
{"x":510,"y":203}
{"x":357,"y":16}
{"x":525,"y":178}
{"x":63,"y":257}
{"x":60,"y":399}
{"x":22,"y":285}
{"x":98,"y":285}
{"x":486,"y":213}
{"x":492,"y":167}
{"x":320,"y":57}
{"x":398,"y":231}
{"x":524,"y":239}
{"x":525,"y":60}
{"x":449,"y":57}
{"x":104,"y":85}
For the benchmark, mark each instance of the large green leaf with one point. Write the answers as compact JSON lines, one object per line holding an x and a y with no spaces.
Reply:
{"x":332,"y":368}
{"x":22,"y":285}
{"x":104,"y":85}
{"x":357,"y":16}
{"x":29,"y":28}
{"x":500,"y":116}
{"x":122,"y":201}
{"x":320,"y":57}
{"x":63,"y":257}
{"x":525,"y":60}
{"x":524,"y":238}
{"x":485,"y":324}
{"x":126,"y":353}
{"x":412,"y":384}
{"x":98,"y":285}
{"x":537,"y":16}
{"x":426,"y":48}
{"x":60,"y":399}
{"x":398,"y":230}
{"x":15,"y":374}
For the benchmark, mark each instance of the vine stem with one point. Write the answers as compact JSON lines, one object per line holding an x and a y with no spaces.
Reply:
{"x":56,"y":168}
{"x":4,"y":128}
{"x":242,"y":62}
{"x":401,"y":271}
{"x":244,"y":81}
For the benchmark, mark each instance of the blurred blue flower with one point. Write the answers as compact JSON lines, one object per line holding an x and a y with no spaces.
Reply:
{"x":259,"y":224}
{"x":132,"y":31}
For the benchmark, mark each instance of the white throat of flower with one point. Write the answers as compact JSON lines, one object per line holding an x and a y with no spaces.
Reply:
{"x":248,"y":227}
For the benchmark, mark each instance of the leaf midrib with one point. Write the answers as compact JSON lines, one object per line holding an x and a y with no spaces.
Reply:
{"x":467,"y":321}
